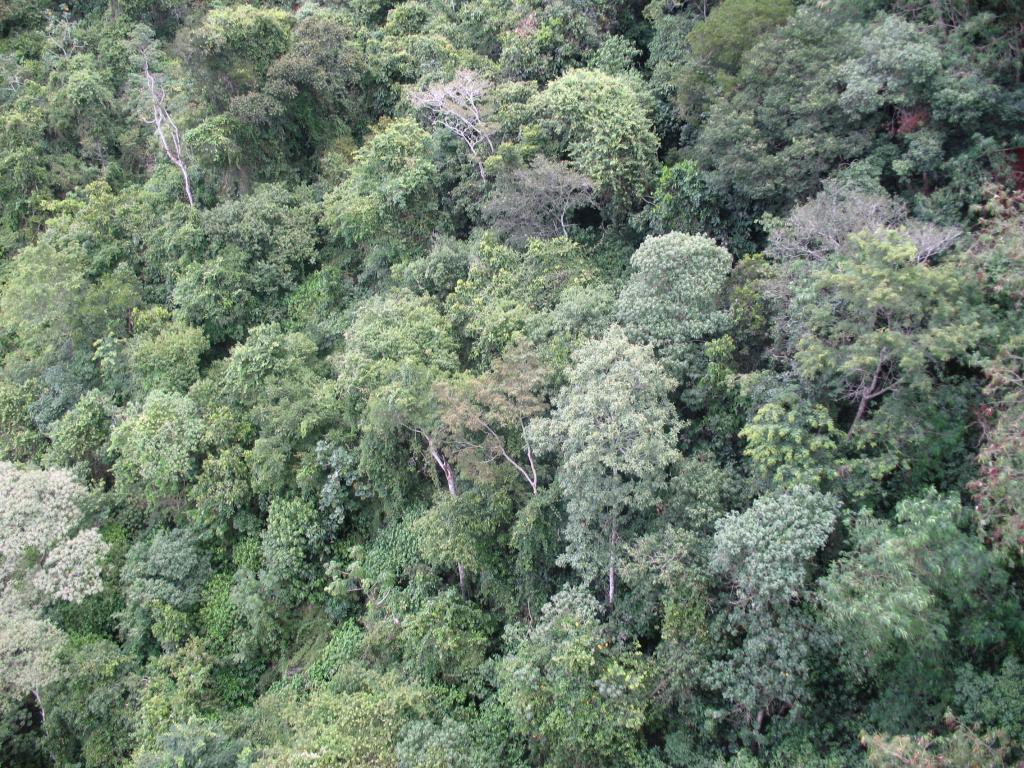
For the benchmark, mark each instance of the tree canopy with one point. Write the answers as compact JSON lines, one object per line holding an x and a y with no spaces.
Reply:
{"x":467,"y":383}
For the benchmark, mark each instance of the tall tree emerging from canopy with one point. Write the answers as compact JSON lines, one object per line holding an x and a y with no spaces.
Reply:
{"x":673,"y":299}
{"x":616,"y":433}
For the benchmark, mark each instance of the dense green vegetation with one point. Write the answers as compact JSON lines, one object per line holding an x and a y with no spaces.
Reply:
{"x":497,"y":384}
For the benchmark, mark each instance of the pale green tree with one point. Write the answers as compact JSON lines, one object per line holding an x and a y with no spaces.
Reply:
{"x":674,"y":299}
{"x":792,"y":442}
{"x":386,"y":207}
{"x":164,"y":353}
{"x":615,"y":433}
{"x":600,"y":123}
{"x":29,"y":648}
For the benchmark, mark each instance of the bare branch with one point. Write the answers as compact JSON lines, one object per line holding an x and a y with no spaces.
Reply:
{"x":164,"y":127}
{"x":460,"y":107}
{"x":537,"y":201}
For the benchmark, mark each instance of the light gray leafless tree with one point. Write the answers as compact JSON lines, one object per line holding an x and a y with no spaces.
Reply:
{"x":166,"y":130}
{"x":537,"y":201}
{"x":460,"y":107}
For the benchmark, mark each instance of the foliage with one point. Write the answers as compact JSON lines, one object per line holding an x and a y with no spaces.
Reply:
{"x":163,"y":579}
{"x":538,"y":383}
{"x":581,"y":695}
{"x":599,"y":122}
{"x":155,"y":446}
{"x":386,"y":204}
{"x":880,"y":320}
{"x":766,"y":554}
{"x":672,"y":299}
{"x":792,"y":442}
{"x":613,"y":428}
{"x":537,"y":201}
{"x":44,"y":542}
{"x":897,"y":609}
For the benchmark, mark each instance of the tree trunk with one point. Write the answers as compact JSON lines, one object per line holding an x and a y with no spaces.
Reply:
{"x":39,"y":703}
{"x":611,"y":563}
{"x":867,"y":394}
{"x":453,"y":491}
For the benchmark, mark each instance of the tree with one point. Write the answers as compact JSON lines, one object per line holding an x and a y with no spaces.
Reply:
{"x":41,"y":562}
{"x":879,"y":319}
{"x":997,"y":258}
{"x":717,"y":46}
{"x":998,"y":487}
{"x":164,"y":353}
{"x":318,"y":90}
{"x":163,"y":577}
{"x":827,"y":224}
{"x":488,"y":416}
{"x":997,"y":253}
{"x":93,"y":708}
{"x":600,"y":123}
{"x":615,"y":433}
{"x":542,"y":40}
{"x":912,"y":596}
{"x":392,"y":328}
{"x":164,"y":128}
{"x":44,"y":545}
{"x":682,"y":202}
{"x":395,"y":345}
{"x":461,"y":108}
{"x":452,"y":743}
{"x":81,"y":436}
{"x":20,"y":440}
{"x":581,"y":694}
{"x":249,"y":256}
{"x":386,"y":206}
{"x":510,"y":294}
{"x":29,"y":647}
{"x":537,"y":201}
{"x":467,"y":530}
{"x":996,"y":491}
{"x":357,"y":726}
{"x":234,"y":46}
{"x":673,"y":299}
{"x":53,"y":307}
{"x":792,"y":442}
{"x":196,"y":743}
{"x":957,"y":744}
{"x":295,"y":533}
{"x":155,"y":447}
{"x":838,"y":87}
{"x":447,"y":640}
{"x":271,"y":390}
{"x":766,"y":554}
